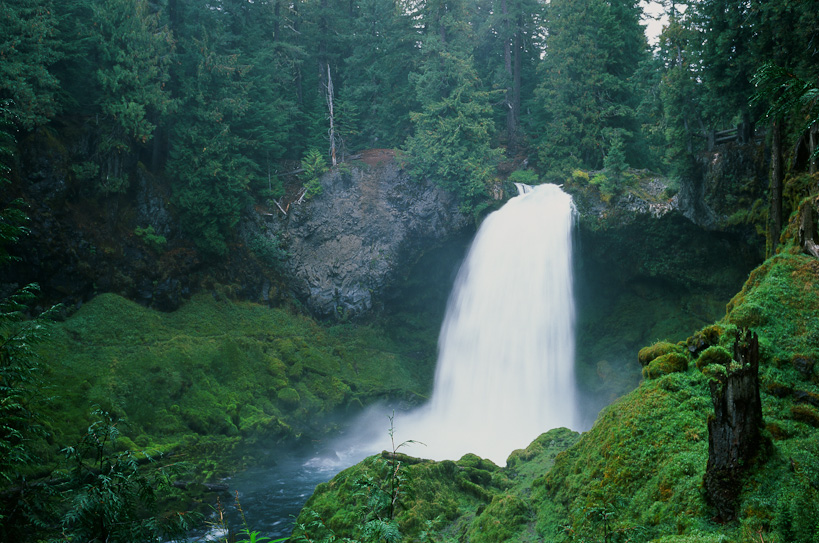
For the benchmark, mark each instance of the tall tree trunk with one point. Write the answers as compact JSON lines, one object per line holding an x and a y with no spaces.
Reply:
{"x":813,"y":142}
{"x":277,"y":5}
{"x":775,"y":220}
{"x":517,"y":67}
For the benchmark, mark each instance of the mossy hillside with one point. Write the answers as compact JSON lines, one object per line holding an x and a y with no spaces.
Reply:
{"x":639,"y":470}
{"x":217,"y":375}
{"x":471,"y":499}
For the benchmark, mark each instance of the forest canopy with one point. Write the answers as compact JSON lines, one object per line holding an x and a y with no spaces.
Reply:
{"x":216,"y":94}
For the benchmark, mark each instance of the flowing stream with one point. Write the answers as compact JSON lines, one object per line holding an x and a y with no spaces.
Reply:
{"x":505,"y":369}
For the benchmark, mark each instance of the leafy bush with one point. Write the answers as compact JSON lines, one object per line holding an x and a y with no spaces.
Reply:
{"x":527,"y":177}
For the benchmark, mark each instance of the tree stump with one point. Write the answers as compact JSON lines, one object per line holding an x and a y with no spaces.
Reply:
{"x":807,"y":229}
{"x":734,"y":430}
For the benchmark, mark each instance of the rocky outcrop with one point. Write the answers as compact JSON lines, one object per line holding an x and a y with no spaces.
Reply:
{"x":728,"y":181}
{"x":369,"y":224}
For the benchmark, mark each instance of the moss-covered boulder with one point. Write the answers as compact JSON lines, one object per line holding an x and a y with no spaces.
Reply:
{"x":713,"y":355}
{"x":661,"y":348}
{"x":665,"y":364}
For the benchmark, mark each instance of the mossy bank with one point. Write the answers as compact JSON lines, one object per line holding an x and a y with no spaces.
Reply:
{"x":221,"y":381}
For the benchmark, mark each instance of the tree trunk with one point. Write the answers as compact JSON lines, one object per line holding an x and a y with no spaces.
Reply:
{"x":332,"y":131}
{"x":813,"y":142}
{"x":775,"y":221}
{"x":734,"y":436}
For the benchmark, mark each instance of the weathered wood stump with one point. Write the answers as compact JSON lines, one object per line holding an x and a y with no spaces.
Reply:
{"x":807,"y":230}
{"x":734,"y":430}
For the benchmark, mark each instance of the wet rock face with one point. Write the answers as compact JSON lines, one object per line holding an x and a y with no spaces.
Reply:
{"x":366,"y":228}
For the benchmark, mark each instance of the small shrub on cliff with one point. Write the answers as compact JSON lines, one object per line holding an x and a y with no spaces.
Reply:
{"x":527,"y":177}
{"x":149,"y":236}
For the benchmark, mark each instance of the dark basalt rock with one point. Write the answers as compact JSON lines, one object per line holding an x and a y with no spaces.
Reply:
{"x":370,"y":223}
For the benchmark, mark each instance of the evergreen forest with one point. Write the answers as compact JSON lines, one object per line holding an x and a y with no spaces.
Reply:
{"x":123,"y":413}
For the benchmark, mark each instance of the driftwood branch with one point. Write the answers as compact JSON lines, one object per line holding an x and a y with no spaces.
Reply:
{"x":280,"y":207}
{"x":302,"y":193}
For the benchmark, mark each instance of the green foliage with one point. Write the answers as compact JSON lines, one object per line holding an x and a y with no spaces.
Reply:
{"x":246,"y":534}
{"x":216,"y":374}
{"x":108,"y":496}
{"x":586,"y":85}
{"x":149,"y":236}
{"x":314,"y":166}
{"x":208,"y":164}
{"x":527,"y":177}
{"x":614,"y":163}
{"x":28,"y":49}
{"x":22,"y":392}
{"x":451,"y":144}
{"x":268,"y":250}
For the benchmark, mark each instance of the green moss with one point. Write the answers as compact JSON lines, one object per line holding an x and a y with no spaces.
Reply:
{"x":661,"y":348}
{"x":289,"y":397}
{"x":502,"y":520}
{"x":713,"y":355}
{"x":216,"y":368}
{"x":665,"y":364}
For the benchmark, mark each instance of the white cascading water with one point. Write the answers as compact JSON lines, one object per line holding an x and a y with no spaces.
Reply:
{"x":506,"y":352}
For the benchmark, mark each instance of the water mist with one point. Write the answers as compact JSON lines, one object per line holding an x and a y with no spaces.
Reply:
{"x":505,"y":370}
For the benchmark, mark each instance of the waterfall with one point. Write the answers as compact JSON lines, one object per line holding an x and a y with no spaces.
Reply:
{"x":505,"y":369}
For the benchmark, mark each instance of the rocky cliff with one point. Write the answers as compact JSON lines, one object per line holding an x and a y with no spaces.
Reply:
{"x":365,"y":229}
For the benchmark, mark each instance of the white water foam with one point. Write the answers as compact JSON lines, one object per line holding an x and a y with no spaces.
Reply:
{"x":505,"y":369}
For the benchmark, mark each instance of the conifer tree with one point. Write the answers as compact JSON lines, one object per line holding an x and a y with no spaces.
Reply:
{"x":586,"y":85}
{"x":28,"y":48}
{"x":133,"y":52}
{"x":209,"y":161}
{"x":382,"y":51}
{"x":451,"y":144}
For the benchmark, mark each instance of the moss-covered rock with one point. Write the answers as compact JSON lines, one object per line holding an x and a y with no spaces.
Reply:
{"x":661,"y":348}
{"x":665,"y":364}
{"x":713,"y":355}
{"x":708,"y":336}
